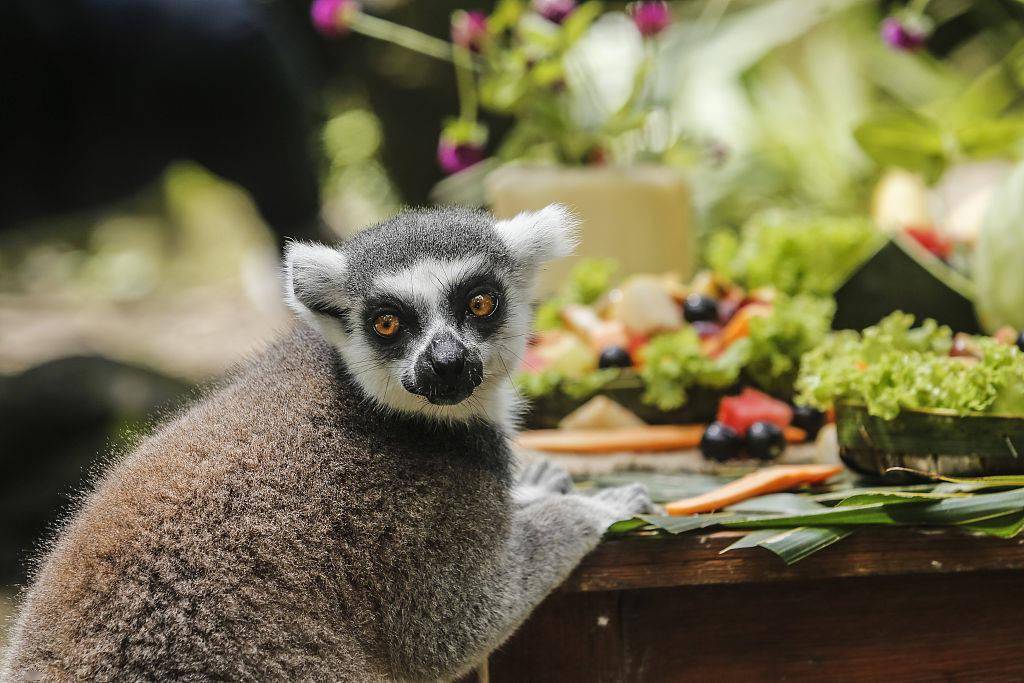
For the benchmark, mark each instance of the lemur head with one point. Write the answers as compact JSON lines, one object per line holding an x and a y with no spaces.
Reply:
{"x":430,"y":310}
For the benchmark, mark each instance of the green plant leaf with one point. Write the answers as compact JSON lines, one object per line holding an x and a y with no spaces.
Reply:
{"x":905,"y":139}
{"x":792,"y":545}
{"x":1004,"y":526}
{"x":677,"y":525}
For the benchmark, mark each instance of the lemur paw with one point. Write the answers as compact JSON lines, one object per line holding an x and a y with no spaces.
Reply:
{"x":545,"y":475}
{"x":623,"y":502}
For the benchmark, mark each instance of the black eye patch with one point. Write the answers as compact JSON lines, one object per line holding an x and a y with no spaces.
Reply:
{"x":459,"y":298}
{"x":408,"y":321}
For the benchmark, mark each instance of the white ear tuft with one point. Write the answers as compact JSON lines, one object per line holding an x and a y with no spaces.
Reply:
{"x":312,"y":276}
{"x":537,"y":236}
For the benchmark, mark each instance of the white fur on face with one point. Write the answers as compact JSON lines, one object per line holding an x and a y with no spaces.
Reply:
{"x":314,"y":274}
{"x":425,"y":286}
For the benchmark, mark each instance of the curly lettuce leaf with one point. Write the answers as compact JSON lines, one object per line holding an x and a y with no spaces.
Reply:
{"x":769,"y":357}
{"x":894,"y":366}
{"x":795,"y":253}
{"x":587,"y":282}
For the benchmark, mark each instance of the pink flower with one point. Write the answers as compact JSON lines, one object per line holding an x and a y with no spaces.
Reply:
{"x":457,"y":156}
{"x":651,"y":18}
{"x":906,"y":34}
{"x":469,"y":29}
{"x":332,"y":18}
{"x":554,"y":10}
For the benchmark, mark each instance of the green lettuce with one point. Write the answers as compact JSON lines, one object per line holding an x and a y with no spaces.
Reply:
{"x":768,"y":358}
{"x":795,"y":253}
{"x":587,"y":282}
{"x":894,"y":366}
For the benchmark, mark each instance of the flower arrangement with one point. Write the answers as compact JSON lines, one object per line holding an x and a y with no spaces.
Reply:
{"x":516,"y":62}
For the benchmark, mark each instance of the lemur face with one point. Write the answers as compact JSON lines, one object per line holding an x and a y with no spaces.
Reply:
{"x":430,"y":310}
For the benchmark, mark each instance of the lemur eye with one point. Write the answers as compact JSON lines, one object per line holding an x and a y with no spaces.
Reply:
{"x":482,"y":305}
{"x":386,"y":325}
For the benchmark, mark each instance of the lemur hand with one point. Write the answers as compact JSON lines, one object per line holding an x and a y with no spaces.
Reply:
{"x":622,"y":502}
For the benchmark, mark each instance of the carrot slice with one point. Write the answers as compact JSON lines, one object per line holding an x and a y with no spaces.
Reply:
{"x":767,"y":480}
{"x":646,"y":438}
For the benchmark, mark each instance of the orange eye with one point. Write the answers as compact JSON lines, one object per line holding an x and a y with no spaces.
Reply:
{"x":386,"y":325}
{"x":482,"y":305}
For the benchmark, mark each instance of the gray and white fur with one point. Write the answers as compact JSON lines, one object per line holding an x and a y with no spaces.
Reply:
{"x":346,"y":506}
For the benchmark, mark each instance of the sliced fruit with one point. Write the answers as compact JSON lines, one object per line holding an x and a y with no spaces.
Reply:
{"x":646,"y":307}
{"x":609,"y":333}
{"x":739,"y":412}
{"x":932,"y":240}
{"x":600,"y":412}
{"x":720,"y":442}
{"x":739,"y":326}
{"x":565,"y":352}
{"x":772,"y":479}
{"x":765,"y":441}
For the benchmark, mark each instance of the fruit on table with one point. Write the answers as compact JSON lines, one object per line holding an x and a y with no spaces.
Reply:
{"x":615,"y":357}
{"x":646,"y":307}
{"x":772,"y":479}
{"x":640,"y":439}
{"x":739,"y":326}
{"x":700,"y":308}
{"x":720,"y":442}
{"x":765,"y":441}
{"x":600,"y":412}
{"x":809,"y":419}
{"x":750,"y":406}
{"x":932,"y":240}
{"x":565,"y":353}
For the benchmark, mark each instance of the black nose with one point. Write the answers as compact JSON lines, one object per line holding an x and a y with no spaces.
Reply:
{"x":447,"y":358}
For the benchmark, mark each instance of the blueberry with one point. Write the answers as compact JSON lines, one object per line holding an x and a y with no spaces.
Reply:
{"x":720,"y":442}
{"x":1020,"y":341}
{"x":809,"y":420}
{"x":765,"y":441}
{"x":615,"y":357}
{"x":698,"y":307}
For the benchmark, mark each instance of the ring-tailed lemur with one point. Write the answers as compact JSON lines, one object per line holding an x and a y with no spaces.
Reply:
{"x":345,"y":507}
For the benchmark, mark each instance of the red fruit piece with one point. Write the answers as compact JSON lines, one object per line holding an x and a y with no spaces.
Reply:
{"x":932,"y":240}
{"x":739,"y":412}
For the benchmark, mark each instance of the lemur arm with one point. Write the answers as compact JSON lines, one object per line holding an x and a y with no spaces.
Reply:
{"x":551,"y":533}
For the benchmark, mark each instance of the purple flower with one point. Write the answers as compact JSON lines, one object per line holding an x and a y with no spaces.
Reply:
{"x":554,"y":10}
{"x":332,"y":18}
{"x":907,"y":34}
{"x":651,"y":18}
{"x":469,"y":29}
{"x":457,"y":156}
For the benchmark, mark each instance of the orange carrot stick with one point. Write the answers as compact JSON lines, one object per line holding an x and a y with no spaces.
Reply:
{"x":767,"y":480}
{"x":646,"y":438}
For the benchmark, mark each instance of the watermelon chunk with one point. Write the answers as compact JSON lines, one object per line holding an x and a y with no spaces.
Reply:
{"x":739,"y":412}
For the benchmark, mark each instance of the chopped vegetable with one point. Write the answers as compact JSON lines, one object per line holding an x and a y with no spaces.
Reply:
{"x":638,"y":439}
{"x":740,"y":412}
{"x":774,"y":479}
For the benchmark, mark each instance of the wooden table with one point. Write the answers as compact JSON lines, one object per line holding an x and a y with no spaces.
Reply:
{"x":886,"y":605}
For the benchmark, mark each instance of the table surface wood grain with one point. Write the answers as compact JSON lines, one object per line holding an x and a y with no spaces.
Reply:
{"x":894,"y":604}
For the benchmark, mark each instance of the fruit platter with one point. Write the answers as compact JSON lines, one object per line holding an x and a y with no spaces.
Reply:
{"x":920,"y":399}
{"x":665,"y":350}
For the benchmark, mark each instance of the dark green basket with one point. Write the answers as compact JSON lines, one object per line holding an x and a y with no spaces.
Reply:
{"x":933,"y":441}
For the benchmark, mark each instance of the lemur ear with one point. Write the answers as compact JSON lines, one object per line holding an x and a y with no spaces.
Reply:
{"x":312,"y":275}
{"x":534,"y":237}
